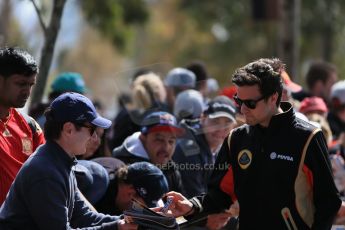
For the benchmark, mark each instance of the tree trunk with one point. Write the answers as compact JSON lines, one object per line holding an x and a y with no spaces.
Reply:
{"x":50,"y":35}
{"x":289,"y":35}
{"x":4,"y":21}
{"x":328,"y":32}
{"x":327,"y":43}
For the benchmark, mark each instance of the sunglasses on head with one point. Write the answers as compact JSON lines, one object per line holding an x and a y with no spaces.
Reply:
{"x":91,"y":128}
{"x":250,"y":103}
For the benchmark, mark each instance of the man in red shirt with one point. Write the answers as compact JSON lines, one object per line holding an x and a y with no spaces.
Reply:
{"x":19,"y":135}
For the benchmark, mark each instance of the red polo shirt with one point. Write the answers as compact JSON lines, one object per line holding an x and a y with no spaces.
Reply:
{"x":17,"y":143}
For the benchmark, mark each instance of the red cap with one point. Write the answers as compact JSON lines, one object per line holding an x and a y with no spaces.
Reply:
{"x":160,"y":121}
{"x":169,"y":129}
{"x":313,"y":104}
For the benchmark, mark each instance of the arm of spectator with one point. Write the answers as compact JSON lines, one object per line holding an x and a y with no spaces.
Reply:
{"x":46,"y":203}
{"x":92,"y":208}
{"x":84,"y":215}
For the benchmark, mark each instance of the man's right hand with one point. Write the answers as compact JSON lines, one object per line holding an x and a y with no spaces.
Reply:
{"x":180,"y":205}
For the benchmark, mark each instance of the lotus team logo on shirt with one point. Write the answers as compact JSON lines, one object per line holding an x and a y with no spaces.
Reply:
{"x":244,"y":158}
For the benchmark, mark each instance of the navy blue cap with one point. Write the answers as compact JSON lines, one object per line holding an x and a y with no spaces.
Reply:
{"x":92,"y":179}
{"x":160,"y":122}
{"x":74,"y":107}
{"x":148,"y":181}
{"x":110,"y":164}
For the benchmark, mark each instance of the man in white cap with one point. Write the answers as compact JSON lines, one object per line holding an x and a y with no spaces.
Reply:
{"x":336,"y":116}
{"x":176,"y":81}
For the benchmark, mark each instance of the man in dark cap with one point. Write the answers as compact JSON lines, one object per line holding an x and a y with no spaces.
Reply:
{"x":44,"y":194}
{"x":141,"y":181}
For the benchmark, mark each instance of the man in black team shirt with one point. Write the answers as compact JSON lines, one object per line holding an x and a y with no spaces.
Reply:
{"x":280,"y":173}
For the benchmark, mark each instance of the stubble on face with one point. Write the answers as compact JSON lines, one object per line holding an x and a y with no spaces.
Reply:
{"x":159,"y":146}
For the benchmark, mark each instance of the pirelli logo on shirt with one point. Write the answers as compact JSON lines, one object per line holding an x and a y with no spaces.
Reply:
{"x":244,"y":158}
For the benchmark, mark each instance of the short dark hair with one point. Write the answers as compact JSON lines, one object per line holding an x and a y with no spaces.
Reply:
{"x":16,"y":61}
{"x":199,"y":69}
{"x":319,"y":71}
{"x":52,"y":129}
{"x":261,"y":74}
{"x":277,"y":65}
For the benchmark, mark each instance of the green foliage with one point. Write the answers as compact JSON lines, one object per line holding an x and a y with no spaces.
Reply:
{"x":322,"y":26}
{"x":229,"y":12}
{"x":246,"y":40}
{"x":318,"y":15}
{"x":113,"y":18}
{"x":135,"y":11}
{"x":322,"y":32}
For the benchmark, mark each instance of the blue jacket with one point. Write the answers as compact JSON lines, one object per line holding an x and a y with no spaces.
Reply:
{"x":44,"y":195}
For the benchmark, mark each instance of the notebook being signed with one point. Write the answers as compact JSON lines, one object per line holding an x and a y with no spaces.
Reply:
{"x":145,"y":217}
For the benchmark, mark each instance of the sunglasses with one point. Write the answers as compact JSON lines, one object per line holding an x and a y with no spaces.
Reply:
{"x":250,"y":103}
{"x":91,"y":128}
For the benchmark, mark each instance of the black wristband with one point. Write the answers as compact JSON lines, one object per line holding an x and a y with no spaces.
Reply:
{"x":197,"y":207}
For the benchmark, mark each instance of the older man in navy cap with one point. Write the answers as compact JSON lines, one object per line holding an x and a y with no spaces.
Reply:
{"x":44,"y":194}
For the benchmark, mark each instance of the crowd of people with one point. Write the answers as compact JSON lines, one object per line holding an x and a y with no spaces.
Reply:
{"x":263,"y":153}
